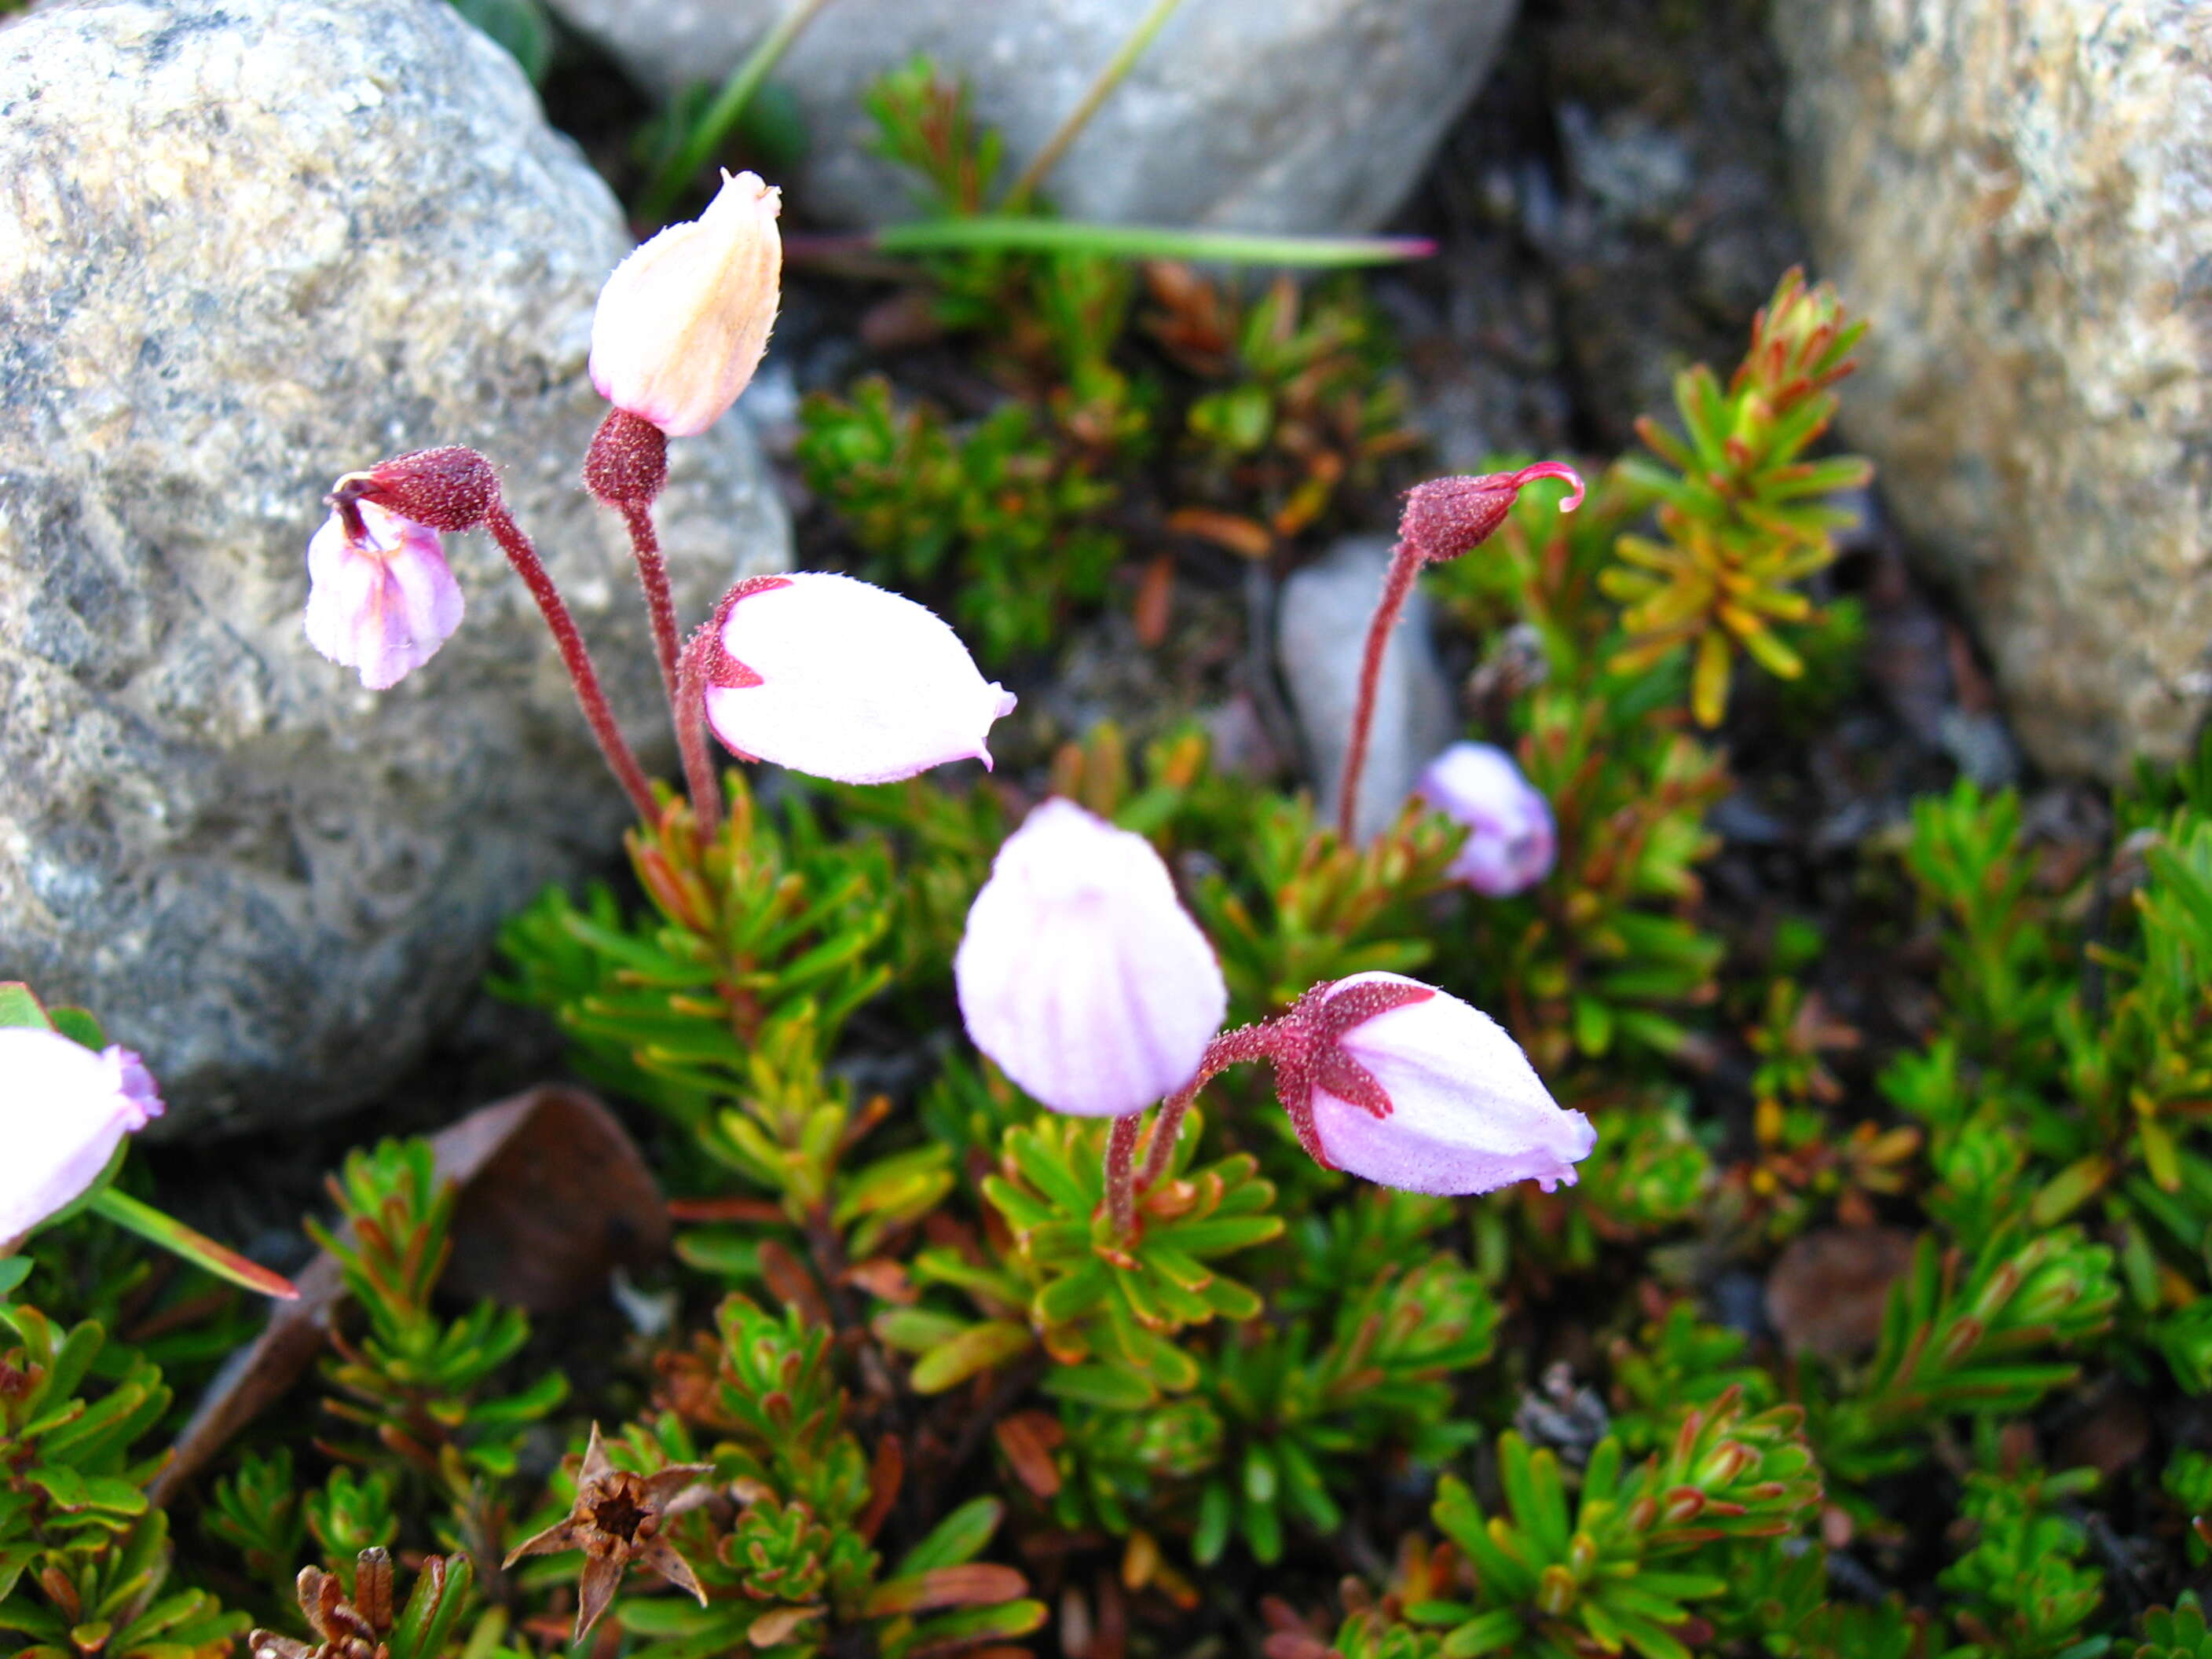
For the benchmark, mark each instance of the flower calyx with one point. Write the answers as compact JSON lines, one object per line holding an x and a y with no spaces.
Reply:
{"x":1307,"y":1049}
{"x":627,"y":465}
{"x":616,"y":1521}
{"x":706,"y":665}
{"x":450,"y":488}
{"x":718,"y":670}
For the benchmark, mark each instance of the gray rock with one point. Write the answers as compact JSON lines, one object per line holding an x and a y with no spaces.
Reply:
{"x":246,"y":248}
{"x":1266,"y":115}
{"x":2016,"y":195}
{"x":1320,"y":634}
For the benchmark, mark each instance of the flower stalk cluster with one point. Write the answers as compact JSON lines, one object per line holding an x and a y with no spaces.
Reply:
{"x":831,"y":676}
{"x":1082,"y":976}
{"x":1080,"y":972}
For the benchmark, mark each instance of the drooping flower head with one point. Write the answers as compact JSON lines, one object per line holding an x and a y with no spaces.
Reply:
{"x":1510,"y":841}
{"x":683,"y":322}
{"x":63,"y":1110}
{"x":1442,"y":520}
{"x":379,"y":598}
{"x":831,"y":677}
{"x":1446,"y":517}
{"x":347,"y":1624}
{"x":1081,"y":973}
{"x":1399,"y":1082}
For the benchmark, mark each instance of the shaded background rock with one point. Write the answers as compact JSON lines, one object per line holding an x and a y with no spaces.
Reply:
{"x":1667,"y":223}
{"x":243,"y":250}
{"x":1612,"y":207}
{"x":2016,"y":196}
{"x":1321,"y":636}
{"x":1279,"y":115}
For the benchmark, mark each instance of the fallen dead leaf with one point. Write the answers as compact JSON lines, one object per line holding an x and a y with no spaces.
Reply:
{"x":2113,"y":1437}
{"x":1154,"y":605}
{"x":1027,"y":1439}
{"x":554,"y":1196}
{"x":1247,"y":537}
{"x":1075,"y":1626}
{"x":791,"y":1285}
{"x":1826,"y":1294}
{"x":772,"y":1628}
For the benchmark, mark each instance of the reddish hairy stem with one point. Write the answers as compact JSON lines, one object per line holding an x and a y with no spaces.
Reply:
{"x":653,"y":576}
{"x":626,"y":469}
{"x":1442,"y":519}
{"x":1167,"y":1128}
{"x":1263,"y":1040}
{"x":690,"y":709}
{"x":1121,"y":1188}
{"x":1406,"y":562}
{"x":578,"y":660}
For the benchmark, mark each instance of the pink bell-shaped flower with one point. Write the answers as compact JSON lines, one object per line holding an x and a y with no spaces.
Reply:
{"x":1081,"y":973}
{"x":1510,"y":841}
{"x":829,"y":676}
{"x":63,"y":1110}
{"x":683,"y":322}
{"x":380,"y":596}
{"x":1412,"y":1088}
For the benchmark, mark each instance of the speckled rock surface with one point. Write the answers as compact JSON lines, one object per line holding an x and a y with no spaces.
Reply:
{"x":245,"y":247}
{"x":1320,"y":634}
{"x":2017,"y":196}
{"x":1279,"y":115}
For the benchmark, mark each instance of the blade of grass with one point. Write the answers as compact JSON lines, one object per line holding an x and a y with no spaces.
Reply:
{"x":1116,"y":70}
{"x":19,"y":1005}
{"x":714,"y":127}
{"x":1022,"y":233}
{"x":172,"y":1235}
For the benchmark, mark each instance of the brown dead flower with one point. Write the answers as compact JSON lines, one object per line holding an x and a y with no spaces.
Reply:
{"x":351,"y":1626}
{"x":615,"y":1521}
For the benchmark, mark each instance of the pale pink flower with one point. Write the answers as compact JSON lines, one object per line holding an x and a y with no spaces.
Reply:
{"x":1510,"y":841}
{"x":63,"y":1110}
{"x":1412,"y":1088}
{"x":382,"y":600}
{"x":683,"y":322}
{"x":1081,"y":973}
{"x":829,"y":676}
